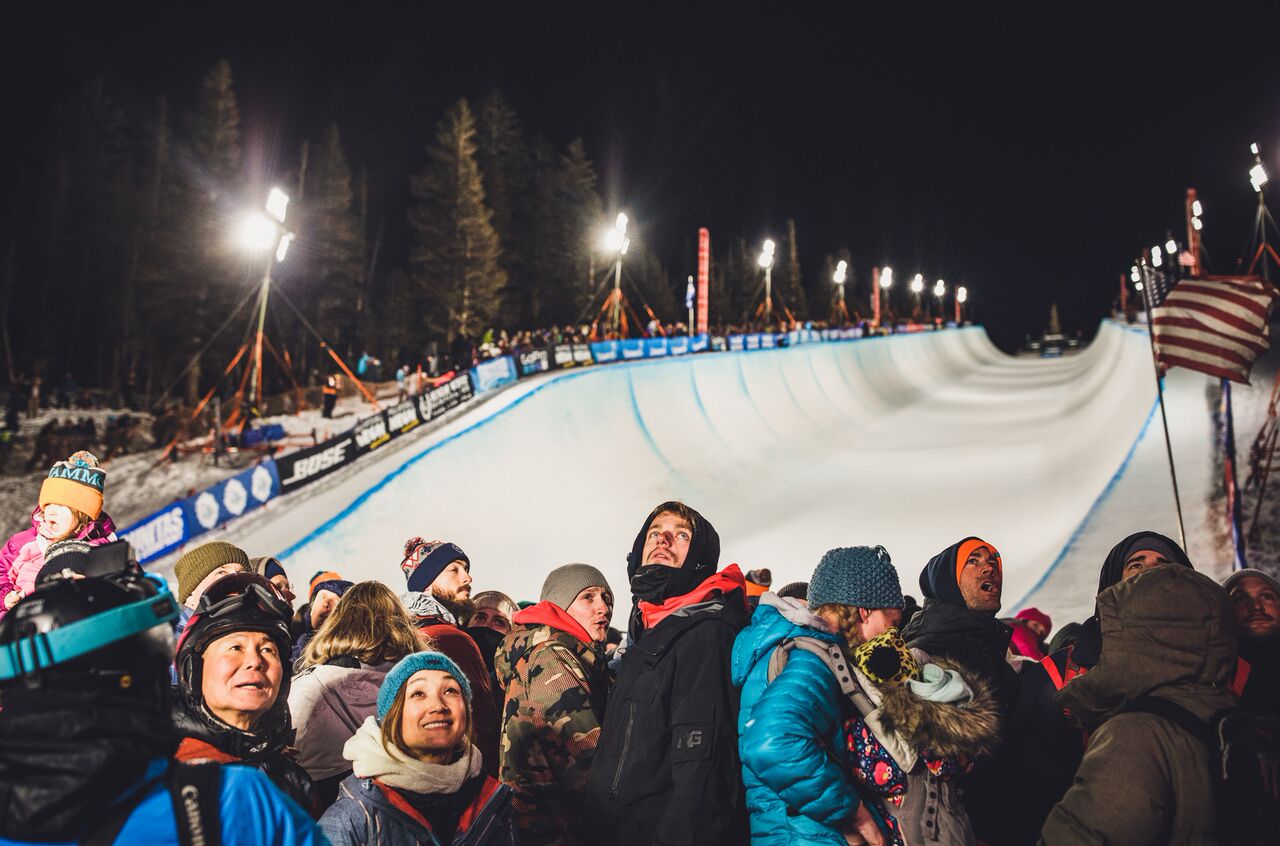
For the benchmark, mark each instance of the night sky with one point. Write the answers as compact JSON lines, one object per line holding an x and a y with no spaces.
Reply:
{"x":1029,"y":157}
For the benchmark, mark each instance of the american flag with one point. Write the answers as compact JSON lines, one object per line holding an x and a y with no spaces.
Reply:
{"x":1216,"y":325}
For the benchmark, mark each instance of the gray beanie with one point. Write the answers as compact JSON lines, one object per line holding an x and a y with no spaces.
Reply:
{"x":1231,"y":580}
{"x":563,"y":584}
{"x":861,"y":576}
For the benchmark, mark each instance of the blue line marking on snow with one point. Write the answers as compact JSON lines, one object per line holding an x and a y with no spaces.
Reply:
{"x":1093,"y":509}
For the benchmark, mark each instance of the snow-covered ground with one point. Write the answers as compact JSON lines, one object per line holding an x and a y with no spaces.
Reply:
{"x":910,"y":441}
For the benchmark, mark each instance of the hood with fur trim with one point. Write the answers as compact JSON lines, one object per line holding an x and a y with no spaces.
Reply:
{"x":948,"y":730}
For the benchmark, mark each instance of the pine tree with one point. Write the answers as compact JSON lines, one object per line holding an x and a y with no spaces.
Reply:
{"x":793,"y":288}
{"x":331,"y":244}
{"x":216,"y":279}
{"x":504,"y":163}
{"x":581,"y":211}
{"x":455,"y":254}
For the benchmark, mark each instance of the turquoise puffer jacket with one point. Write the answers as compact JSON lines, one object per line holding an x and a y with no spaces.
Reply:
{"x":788,"y":731}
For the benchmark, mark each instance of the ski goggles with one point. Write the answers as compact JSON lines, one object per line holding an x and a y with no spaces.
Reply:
{"x":240,"y":591}
{"x":42,"y":650}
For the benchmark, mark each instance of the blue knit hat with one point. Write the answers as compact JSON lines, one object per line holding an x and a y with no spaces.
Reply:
{"x":861,"y":576}
{"x":410,"y":664}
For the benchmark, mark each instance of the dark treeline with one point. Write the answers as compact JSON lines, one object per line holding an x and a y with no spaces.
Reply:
{"x":127,"y":229}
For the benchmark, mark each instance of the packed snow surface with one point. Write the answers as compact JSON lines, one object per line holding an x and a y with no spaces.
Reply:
{"x":910,"y":441}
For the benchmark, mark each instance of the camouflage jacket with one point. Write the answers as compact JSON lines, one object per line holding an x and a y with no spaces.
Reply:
{"x":555,"y":691}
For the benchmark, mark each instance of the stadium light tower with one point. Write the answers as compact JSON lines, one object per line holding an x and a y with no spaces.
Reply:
{"x":939,"y":292}
{"x":842,"y":270}
{"x":766,"y":261}
{"x":258,"y":233}
{"x":962,"y":296}
{"x":616,"y":241}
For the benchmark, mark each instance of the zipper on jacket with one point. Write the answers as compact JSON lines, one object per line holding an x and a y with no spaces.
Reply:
{"x":626,"y":744}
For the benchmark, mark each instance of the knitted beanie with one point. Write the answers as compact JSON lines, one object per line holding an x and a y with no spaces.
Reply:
{"x":563,"y":584}
{"x":1257,"y":574}
{"x":335,"y":586}
{"x":424,"y":561}
{"x":795,"y":590}
{"x":321,"y":576}
{"x":76,"y":483}
{"x":505,"y":605}
{"x":267,"y":567}
{"x":415,"y":663}
{"x":1029,"y":614}
{"x":861,"y":576}
{"x":193,"y":567}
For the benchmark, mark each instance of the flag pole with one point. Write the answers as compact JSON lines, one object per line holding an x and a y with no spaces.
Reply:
{"x":1147,"y":274}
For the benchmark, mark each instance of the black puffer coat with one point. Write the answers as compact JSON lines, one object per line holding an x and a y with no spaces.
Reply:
{"x":667,"y":768}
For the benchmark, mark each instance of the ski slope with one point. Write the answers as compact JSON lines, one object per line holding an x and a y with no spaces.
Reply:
{"x":911,"y":441}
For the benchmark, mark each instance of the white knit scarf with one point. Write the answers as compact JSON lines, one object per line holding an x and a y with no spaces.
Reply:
{"x":370,"y":759}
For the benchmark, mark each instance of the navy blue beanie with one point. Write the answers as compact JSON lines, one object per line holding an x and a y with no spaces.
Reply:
{"x":416,"y":663}
{"x":338,"y":586}
{"x":861,"y":576}
{"x":424,"y":561}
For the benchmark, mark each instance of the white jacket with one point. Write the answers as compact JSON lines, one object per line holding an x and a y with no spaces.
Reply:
{"x":328,"y":703}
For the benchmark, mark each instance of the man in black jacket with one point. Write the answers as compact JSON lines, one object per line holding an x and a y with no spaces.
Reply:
{"x":666,"y":768}
{"x":962,"y":586}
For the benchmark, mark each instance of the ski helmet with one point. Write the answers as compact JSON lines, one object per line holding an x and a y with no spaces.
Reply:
{"x":111,"y":635}
{"x":239,"y":602}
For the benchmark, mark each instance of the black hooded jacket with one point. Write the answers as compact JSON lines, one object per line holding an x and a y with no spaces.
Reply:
{"x":699,"y":564}
{"x":666,"y":769}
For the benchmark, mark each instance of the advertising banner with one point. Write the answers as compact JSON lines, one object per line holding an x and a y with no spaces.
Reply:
{"x":444,"y":397}
{"x":189,"y":518}
{"x":605,"y":351}
{"x":702,"y":343}
{"x":494,"y":373}
{"x":562,"y":355}
{"x":678,"y":345}
{"x":403,"y":418}
{"x":534,"y":361}
{"x":736,"y":343}
{"x":632,"y":348}
{"x":752,"y":341}
{"x":704,"y":277}
{"x":768,"y":341}
{"x":656,"y":348}
{"x":306,"y":465}
{"x":158,"y":534}
{"x":370,"y":433}
{"x":582,"y":354}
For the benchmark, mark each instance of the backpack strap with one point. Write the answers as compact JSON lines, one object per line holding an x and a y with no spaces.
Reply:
{"x":196,"y":792}
{"x":1176,"y":714}
{"x":832,"y":656}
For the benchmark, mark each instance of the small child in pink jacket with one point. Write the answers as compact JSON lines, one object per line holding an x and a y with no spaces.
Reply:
{"x":70,"y":506}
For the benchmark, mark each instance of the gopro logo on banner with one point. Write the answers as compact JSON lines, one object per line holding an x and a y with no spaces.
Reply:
{"x":314,"y":465}
{"x":164,"y":531}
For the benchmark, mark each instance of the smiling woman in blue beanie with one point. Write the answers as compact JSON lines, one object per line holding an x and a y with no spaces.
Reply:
{"x":416,"y":772}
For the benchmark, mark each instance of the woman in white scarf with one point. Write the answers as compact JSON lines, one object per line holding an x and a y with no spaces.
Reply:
{"x":416,"y":773}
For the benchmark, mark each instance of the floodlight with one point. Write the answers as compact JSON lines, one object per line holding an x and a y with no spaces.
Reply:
{"x":1134,"y":274}
{"x":1197,"y":209}
{"x":621,"y":223}
{"x":1137,"y":286}
{"x":1258,"y":177}
{"x":962,"y":294}
{"x":917,"y":284}
{"x":1171,"y":247}
{"x":940,"y":288}
{"x":626,"y":242}
{"x":1156,"y":261}
{"x":839,"y":275}
{"x":886,"y":277}
{"x":284,"y":246}
{"x":613,"y":240}
{"x":1253,"y":148}
{"x":256,"y":231}
{"x":1196,"y":224}
{"x":277,"y":203}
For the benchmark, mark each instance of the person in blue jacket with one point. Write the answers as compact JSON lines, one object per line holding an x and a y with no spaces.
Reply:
{"x":795,"y":762}
{"x":85,"y":736}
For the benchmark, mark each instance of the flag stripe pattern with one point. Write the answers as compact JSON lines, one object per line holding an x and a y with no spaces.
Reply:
{"x":1217,"y":326}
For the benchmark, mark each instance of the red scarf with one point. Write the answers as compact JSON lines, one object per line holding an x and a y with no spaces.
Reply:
{"x":547,"y":613}
{"x":727,"y":580}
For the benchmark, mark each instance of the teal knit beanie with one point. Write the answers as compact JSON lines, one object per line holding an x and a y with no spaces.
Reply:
{"x":410,"y":664}
{"x":861,"y":576}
